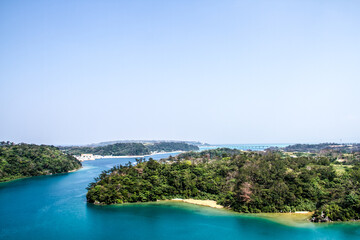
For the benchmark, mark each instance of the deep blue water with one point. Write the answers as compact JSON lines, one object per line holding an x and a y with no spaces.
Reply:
{"x":54,"y":207}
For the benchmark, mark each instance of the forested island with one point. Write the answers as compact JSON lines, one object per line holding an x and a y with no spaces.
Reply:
{"x":130,"y":149}
{"x":27,"y":160}
{"x":249,"y":182}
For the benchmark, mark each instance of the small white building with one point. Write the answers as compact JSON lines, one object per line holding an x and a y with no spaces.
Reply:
{"x":85,"y":157}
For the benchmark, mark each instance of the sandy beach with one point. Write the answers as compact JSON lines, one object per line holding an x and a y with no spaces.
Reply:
{"x":74,"y":170}
{"x":207,"y":203}
{"x":290,"y":219}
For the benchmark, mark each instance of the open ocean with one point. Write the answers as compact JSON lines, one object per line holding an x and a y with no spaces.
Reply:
{"x":54,"y":207}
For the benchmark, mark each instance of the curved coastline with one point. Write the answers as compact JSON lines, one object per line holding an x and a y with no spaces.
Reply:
{"x":295,"y":219}
{"x":206,"y":203}
{"x":289,"y":219}
{"x":74,"y":170}
{"x":26,"y":177}
{"x":286,"y":219}
{"x":133,"y":156}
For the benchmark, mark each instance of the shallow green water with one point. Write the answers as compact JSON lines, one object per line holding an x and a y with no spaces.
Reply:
{"x":54,"y":207}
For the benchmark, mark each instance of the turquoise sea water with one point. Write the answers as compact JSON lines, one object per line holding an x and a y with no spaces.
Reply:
{"x":54,"y":207}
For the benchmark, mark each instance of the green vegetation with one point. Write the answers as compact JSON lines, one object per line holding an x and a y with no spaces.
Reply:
{"x":27,"y":160}
{"x":310,"y":147}
{"x":196,"y":143}
{"x":118,"y":149}
{"x":171,"y":146}
{"x":241,"y":181}
{"x":130,"y":149}
{"x":340,"y":169}
{"x":322,"y":146}
{"x":343,"y":154}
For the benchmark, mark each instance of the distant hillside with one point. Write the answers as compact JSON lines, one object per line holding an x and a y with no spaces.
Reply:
{"x":171,"y":146}
{"x":130,"y":149}
{"x":27,"y":160}
{"x":211,"y":153}
{"x":196,"y":143}
{"x":117,"y":149}
{"x":322,"y":146}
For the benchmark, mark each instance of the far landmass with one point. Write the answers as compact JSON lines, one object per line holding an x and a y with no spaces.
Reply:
{"x":130,"y":148}
{"x":28,"y":160}
{"x":344,"y":154}
{"x":249,"y":182}
{"x":196,"y":143}
{"x":315,"y":148}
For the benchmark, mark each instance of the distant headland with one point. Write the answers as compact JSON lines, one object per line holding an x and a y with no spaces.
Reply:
{"x":127,"y":149}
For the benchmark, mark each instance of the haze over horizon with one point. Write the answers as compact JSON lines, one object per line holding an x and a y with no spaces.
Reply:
{"x":81,"y":72}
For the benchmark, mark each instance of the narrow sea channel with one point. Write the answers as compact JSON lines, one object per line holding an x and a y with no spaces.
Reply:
{"x":54,"y":207}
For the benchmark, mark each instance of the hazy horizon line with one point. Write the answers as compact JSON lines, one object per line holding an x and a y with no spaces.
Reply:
{"x":162,"y":140}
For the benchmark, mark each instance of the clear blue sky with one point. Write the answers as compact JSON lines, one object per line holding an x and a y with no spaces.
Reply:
{"x":76,"y":72}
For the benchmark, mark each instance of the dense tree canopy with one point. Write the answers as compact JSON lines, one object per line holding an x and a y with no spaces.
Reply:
{"x":171,"y":146}
{"x":242,"y":181}
{"x":26,"y":160}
